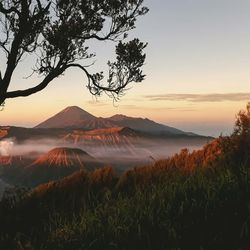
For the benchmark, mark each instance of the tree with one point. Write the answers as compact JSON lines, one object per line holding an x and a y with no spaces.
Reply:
{"x":236,"y":147}
{"x":241,"y":136}
{"x":56,"y":32}
{"x":242,"y":124}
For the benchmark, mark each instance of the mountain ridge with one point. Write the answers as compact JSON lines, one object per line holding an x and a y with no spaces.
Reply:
{"x":74,"y":117}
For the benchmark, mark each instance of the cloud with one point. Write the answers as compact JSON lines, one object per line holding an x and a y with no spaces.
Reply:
{"x":6,"y":147}
{"x":97,"y":103}
{"x":213,"y":97}
{"x":176,"y":109}
{"x":130,"y":106}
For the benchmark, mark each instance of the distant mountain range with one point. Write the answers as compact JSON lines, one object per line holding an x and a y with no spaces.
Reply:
{"x":116,"y":136}
{"x":77,"y":118}
{"x":74,"y":139}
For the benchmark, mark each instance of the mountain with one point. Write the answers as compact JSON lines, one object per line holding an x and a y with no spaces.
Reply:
{"x":71,"y":117}
{"x":118,"y":140}
{"x":145,"y":125}
{"x":77,"y":118}
{"x":96,"y":123}
{"x":64,"y":158}
{"x":54,"y":165}
{"x":105,"y":142}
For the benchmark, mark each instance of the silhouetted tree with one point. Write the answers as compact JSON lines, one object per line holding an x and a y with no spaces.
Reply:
{"x":56,"y":34}
{"x":241,"y":136}
{"x":242,"y":124}
{"x":236,"y":148}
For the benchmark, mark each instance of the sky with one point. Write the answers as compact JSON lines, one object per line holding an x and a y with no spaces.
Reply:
{"x":197,"y":67}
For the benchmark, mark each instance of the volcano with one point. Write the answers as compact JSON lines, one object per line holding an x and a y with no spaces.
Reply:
{"x":145,"y":125}
{"x":77,"y":118}
{"x":70,"y":117}
{"x":108,"y":141}
{"x":56,"y":164}
{"x":64,"y":158}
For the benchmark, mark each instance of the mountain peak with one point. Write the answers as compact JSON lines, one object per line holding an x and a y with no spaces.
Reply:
{"x":70,"y":117}
{"x":73,"y":108}
{"x":119,"y":117}
{"x":67,"y":157}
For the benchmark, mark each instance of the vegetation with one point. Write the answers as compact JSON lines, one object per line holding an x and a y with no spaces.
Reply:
{"x":56,"y":35}
{"x":197,"y":200}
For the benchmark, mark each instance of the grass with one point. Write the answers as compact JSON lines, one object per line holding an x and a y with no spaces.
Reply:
{"x":203,"y":209}
{"x":196,"y":212}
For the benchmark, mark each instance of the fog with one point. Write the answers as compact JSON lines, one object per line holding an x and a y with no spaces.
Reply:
{"x":10,"y":147}
{"x":119,"y":154}
{"x":134,"y":150}
{"x":6,"y":147}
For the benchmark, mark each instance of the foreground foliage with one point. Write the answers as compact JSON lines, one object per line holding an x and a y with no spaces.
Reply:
{"x":144,"y":209}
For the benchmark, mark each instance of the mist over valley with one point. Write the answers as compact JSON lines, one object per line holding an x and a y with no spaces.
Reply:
{"x":121,"y":142}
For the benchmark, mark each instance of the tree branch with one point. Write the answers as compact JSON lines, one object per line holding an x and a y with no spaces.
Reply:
{"x":33,"y":90}
{"x":114,"y":31}
{"x":56,"y":33}
{"x":93,"y":81}
{"x":8,"y":11}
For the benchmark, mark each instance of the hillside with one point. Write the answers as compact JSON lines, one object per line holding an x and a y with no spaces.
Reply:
{"x":3,"y":187}
{"x":105,"y":141}
{"x":14,"y":161}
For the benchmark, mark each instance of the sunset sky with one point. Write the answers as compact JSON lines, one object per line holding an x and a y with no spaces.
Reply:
{"x":197,"y":67}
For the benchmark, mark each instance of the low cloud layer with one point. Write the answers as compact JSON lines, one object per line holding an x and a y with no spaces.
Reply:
{"x":139,"y":149}
{"x":10,"y":147}
{"x":233,"y":97}
{"x":6,"y":147}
